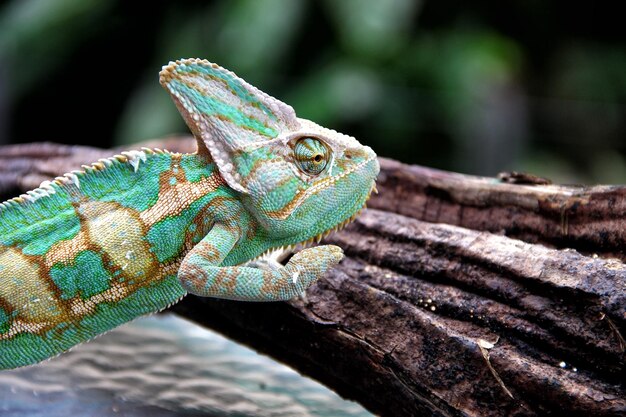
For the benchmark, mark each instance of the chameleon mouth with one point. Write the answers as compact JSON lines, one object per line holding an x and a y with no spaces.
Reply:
{"x":317,"y":186}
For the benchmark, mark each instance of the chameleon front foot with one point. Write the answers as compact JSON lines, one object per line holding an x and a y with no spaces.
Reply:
{"x":259,"y":284}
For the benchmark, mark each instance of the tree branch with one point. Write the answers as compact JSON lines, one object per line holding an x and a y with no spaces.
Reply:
{"x":589,"y":219}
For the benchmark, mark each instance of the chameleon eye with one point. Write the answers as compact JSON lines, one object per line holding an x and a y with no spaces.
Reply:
{"x":311,"y":155}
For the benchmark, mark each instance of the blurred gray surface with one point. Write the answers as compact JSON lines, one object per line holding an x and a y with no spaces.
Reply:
{"x":165,"y":366}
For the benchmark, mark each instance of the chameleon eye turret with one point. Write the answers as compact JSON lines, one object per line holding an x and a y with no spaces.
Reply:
{"x":132,"y":234}
{"x":312,"y":155}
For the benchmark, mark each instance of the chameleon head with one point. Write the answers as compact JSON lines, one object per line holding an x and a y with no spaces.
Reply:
{"x":295,"y":177}
{"x":308,"y":181}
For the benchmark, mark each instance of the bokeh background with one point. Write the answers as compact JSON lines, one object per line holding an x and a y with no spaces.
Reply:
{"x":476,"y":87}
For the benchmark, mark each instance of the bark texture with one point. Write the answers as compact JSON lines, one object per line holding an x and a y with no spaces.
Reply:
{"x":459,"y":295}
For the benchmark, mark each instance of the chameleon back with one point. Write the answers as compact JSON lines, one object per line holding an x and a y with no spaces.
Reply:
{"x":93,"y":250}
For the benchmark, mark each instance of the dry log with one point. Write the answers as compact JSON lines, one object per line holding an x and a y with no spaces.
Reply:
{"x":458,"y":296}
{"x":589,"y":219}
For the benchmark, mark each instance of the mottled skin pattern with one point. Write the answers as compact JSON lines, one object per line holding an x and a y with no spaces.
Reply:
{"x":132,"y":234}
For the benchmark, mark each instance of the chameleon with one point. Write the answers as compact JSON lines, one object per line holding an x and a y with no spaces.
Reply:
{"x":132,"y":234}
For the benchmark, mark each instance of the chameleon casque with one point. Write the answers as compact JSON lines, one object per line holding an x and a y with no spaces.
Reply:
{"x":132,"y":234}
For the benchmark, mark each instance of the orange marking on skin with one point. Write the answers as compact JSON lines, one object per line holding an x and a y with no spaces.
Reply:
{"x":209,"y":252}
{"x":173,"y":199}
{"x":79,"y":308}
{"x":195,"y":277}
{"x":270,"y":287}
{"x":300,"y":197}
{"x":25,"y":289}
{"x":66,"y":250}
{"x":21,"y":326}
{"x":119,"y":232}
{"x":117,"y":292}
{"x":4,"y":304}
{"x":225,"y":279}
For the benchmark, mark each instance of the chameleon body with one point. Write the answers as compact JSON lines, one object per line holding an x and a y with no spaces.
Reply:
{"x":132,"y":234}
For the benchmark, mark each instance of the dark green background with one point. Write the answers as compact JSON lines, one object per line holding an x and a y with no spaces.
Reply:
{"x":476,"y":87}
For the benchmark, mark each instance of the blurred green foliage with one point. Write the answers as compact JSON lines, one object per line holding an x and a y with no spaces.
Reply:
{"x":531,"y":86}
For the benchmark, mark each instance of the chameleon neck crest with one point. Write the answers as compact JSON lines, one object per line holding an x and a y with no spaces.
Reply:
{"x":132,"y":234}
{"x":225,"y":113}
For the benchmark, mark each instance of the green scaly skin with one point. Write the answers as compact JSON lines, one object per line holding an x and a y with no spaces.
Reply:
{"x":133,"y":234}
